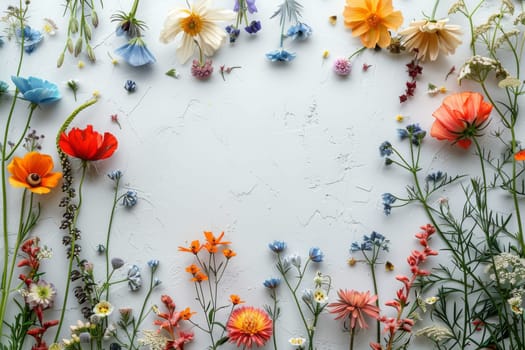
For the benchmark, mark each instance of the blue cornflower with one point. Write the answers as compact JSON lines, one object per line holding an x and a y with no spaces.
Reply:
{"x":32,"y":38}
{"x":254,"y":27}
{"x":316,"y":255}
{"x":249,"y":3}
{"x":300,"y":31}
{"x":130,"y":199}
{"x":36,"y":90}
{"x":277,"y":246}
{"x":134,"y":278}
{"x":233,"y":33}
{"x":272,"y":283}
{"x":136,"y":53}
{"x":388,"y":200}
{"x":115,"y":175}
{"x":3,"y":87}
{"x":385,"y":149}
{"x":130,"y":85}
{"x":153,"y":263}
{"x":435,"y":177}
{"x":280,"y":55}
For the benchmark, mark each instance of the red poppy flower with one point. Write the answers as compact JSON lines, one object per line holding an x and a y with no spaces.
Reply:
{"x":520,"y":155}
{"x":88,"y":144}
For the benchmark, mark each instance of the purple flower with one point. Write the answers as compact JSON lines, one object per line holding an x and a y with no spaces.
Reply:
{"x":233,"y":33}
{"x":201,"y":72}
{"x":249,"y":3}
{"x":254,"y":27}
{"x":280,"y":55}
{"x":342,"y":66}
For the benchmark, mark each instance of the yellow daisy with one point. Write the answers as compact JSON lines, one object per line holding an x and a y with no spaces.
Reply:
{"x":199,"y":28}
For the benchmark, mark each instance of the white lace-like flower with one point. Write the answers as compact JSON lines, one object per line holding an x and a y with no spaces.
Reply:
{"x":199,"y":28}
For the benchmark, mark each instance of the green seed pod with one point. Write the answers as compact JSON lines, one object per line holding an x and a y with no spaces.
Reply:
{"x":78,"y":47}
{"x":73,"y":25}
{"x":94,"y":18}
{"x":90,"y":53}
{"x":69,"y":44}
{"x":60,"y":60}
{"x":87,"y":31}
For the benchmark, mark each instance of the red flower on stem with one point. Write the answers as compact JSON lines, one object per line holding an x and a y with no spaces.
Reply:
{"x":87,"y":144}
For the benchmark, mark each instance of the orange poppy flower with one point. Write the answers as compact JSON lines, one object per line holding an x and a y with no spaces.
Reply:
{"x":194,"y":248}
{"x":186,"y":314}
{"x":235,"y":299}
{"x":199,"y":277}
{"x":87,"y":144}
{"x":460,"y":117}
{"x":520,"y":155}
{"x":33,"y":172}
{"x":371,"y":20}
{"x":228,"y":253}
{"x":249,"y":326}
{"x":212,"y":240}
{"x":193,"y":269}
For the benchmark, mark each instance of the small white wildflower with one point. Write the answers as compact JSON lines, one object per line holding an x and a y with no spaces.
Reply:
{"x":431,"y":300}
{"x":457,"y":6}
{"x":297,"y":341}
{"x":436,"y":333}
{"x":509,"y":82}
{"x":153,"y":340}
{"x":320,"y":296}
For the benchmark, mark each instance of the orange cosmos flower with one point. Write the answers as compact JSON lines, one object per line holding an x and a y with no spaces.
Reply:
{"x":194,"y":248}
{"x":235,"y":299}
{"x":520,"y":155}
{"x":199,"y":277}
{"x":186,"y":314}
{"x":33,"y":172}
{"x":460,"y":117}
{"x":352,"y":305}
{"x":228,"y":253}
{"x":249,"y":326}
{"x":87,"y":144}
{"x":211,"y":239}
{"x":371,"y":19}
{"x":193,"y":269}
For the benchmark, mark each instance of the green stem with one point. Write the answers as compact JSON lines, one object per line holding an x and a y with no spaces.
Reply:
{"x":374,"y":280}
{"x":110,"y":225}
{"x":433,"y":16}
{"x":141,"y":314}
{"x":71,"y":252}
{"x":133,"y":11}
{"x":352,"y":336}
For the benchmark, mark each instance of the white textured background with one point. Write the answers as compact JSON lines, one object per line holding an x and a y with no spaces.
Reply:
{"x":277,"y":151}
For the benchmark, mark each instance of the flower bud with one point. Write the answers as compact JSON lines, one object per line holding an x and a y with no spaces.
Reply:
{"x":94,"y":18}
{"x":60,"y":60}
{"x":69,"y":45}
{"x":87,"y":31}
{"x":78,"y":47}
{"x":73,"y":25}
{"x":91,"y":53}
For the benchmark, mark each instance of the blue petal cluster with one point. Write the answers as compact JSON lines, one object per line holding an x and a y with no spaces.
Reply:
{"x":300,"y":31}
{"x":32,"y":38}
{"x":36,"y":90}
{"x":280,"y":55}
{"x":272,"y":283}
{"x":277,"y":246}
{"x":414,"y":132}
{"x":375,"y":239}
{"x":388,"y":200}
{"x":135,"y":53}
{"x":315,"y":254}
{"x":254,"y":27}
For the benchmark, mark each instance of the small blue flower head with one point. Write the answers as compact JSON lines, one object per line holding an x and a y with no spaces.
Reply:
{"x":136,"y":53}
{"x":300,"y":31}
{"x":277,"y":246}
{"x":153,"y":264}
{"x":356,"y":246}
{"x":414,"y":132}
{"x":435,"y":177}
{"x":254,"y":27}
{"x":3,"y":87}
{"x":233,"y":33}
{"x":32,"y":38}
{"x":315,"y":254}
{"x":272,"y":283}
{"x":385,"y":149}
{"x":388,"y":200}
{"x":130,"y":86}
{"x":134,"y":278}
{"x":249,"y":3}
{"x":130,"y":199}
{"x":378,"y":240}
{"x":280,"y":55}
{"x":36,"y":90}
{"x":115,"y":175}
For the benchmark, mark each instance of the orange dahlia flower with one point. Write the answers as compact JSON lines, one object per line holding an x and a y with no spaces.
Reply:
{"x":371,"y":19}
{"x":87,"y":144}
{"x":352,"y":305}
{"x":33,"y":172}
{"x":460,"y":118}
{"x":249,"y":326}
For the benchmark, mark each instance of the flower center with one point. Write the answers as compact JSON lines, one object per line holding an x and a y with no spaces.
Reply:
{"x":43,"y":293}
{"x":33,"y":179}
{"x":373,"y":20}
{"x":250,"y":324}
{"x":192,"y":24}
